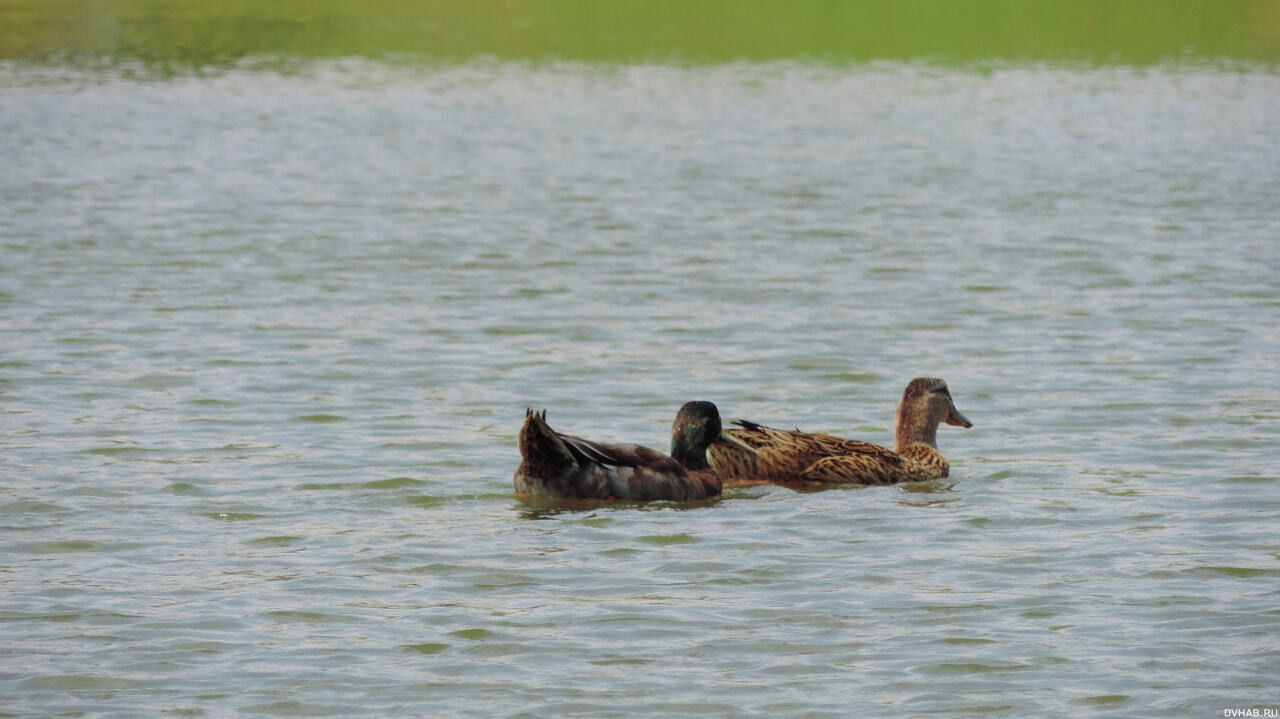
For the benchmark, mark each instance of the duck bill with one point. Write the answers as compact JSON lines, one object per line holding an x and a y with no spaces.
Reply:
{"x":959,"y":420}
{"x":726,"y":437}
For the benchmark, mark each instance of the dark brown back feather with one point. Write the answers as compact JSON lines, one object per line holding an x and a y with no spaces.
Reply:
{"x":569,"y":467}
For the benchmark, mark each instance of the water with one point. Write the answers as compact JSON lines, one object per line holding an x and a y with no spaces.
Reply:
{"x":268,"y":338}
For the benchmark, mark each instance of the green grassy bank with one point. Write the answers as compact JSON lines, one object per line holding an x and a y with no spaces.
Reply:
{"x":209,"y":32}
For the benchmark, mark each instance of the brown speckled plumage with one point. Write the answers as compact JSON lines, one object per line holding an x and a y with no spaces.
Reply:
{"x":785,"y":456}
{"x":567,"y":467}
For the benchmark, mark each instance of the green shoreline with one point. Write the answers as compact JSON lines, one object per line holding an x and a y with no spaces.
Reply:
{"x":202,"y":32}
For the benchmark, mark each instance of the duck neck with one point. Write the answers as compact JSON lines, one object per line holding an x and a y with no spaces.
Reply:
{"x":688,"y":456}
{"x":684,"y":449}
{"x":911,"y":427}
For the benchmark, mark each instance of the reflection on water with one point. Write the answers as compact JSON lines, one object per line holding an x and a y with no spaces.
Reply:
{"x":176,"y":34}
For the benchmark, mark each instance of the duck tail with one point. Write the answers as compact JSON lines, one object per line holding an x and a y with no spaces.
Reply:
{"x":545,"y":455}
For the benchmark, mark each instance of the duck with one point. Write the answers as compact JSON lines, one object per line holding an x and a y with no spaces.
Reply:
{"x":795,"y":457}
{"x":563,"y":466}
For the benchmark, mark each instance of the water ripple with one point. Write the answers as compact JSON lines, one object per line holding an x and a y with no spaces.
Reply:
{"x":269,"y":339}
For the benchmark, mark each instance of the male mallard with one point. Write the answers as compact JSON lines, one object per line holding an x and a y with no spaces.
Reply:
{"x":567,"y":467}
{"x":787,"y":456}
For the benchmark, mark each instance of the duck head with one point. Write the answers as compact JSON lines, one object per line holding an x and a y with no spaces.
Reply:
{"x":926,"y":403}
{"x":697,"y":427}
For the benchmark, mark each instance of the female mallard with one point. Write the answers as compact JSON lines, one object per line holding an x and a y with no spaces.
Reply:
{"x":786,"y":456}
{"x":566,"y":467}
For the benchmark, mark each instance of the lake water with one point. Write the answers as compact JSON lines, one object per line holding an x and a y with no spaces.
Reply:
{"x":267,"y":339}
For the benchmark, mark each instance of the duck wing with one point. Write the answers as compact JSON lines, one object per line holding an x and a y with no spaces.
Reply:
{"x":791,"y":455}
{"x":633,"y":471}
{"x":620,"y":454}
{"x":805,"y":443}
{"x":858,"y":468}
{"x":841,"y":447}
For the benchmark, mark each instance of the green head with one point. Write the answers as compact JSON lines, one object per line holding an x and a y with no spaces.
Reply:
{"x":697,"y":425}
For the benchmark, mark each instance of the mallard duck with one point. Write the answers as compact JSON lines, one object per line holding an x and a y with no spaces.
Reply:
{"x":566,"y":467}
{"x":795,"y":456}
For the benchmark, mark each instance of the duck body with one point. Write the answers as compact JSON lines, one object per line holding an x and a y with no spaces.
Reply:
{"x":567,"y":467}
{"x":793,"y":456}
{"x":786,"y":456}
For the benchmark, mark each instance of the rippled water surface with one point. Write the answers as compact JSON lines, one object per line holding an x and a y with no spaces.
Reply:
{"x":267,"y":340}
